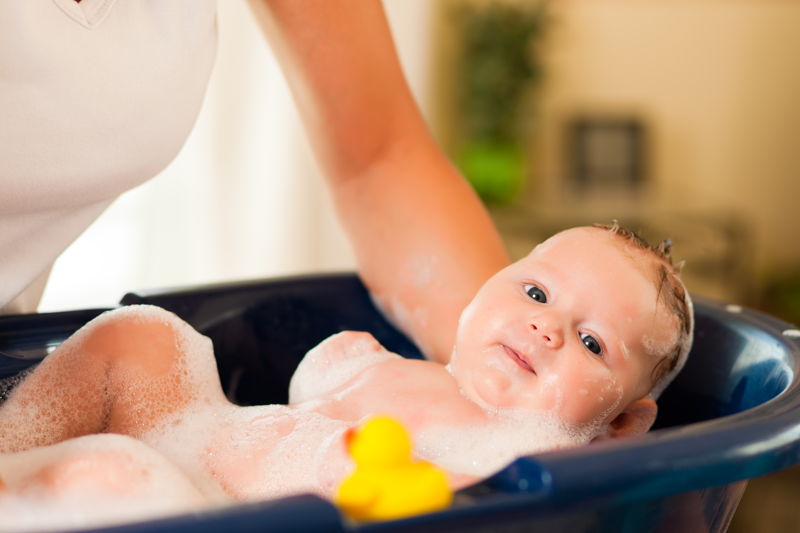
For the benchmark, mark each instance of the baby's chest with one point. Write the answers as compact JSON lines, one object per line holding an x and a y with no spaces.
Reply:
{"x":278,"y":452}
{"x":418,"y":395}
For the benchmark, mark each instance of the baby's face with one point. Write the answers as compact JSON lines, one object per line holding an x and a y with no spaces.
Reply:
{"x":570,"y":329}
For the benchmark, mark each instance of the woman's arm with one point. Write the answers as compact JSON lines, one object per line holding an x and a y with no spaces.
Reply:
{"x":423,"y":241}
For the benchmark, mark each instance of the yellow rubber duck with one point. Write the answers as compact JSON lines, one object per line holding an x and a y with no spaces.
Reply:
{"x":387,"y":483}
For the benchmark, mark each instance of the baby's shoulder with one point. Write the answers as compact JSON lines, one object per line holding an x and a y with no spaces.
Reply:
{"x":335,"y":361}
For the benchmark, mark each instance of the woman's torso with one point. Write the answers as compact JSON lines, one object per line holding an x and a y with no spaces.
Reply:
{"x":95,"y":97}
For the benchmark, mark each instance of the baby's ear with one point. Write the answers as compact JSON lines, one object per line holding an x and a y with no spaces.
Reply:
{"x":634,"y":419}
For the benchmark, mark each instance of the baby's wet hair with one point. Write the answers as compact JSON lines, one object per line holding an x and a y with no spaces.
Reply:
{"x":671,"y":292}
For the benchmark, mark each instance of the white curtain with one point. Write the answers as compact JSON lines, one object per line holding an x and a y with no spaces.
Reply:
{"x":243,"y":199}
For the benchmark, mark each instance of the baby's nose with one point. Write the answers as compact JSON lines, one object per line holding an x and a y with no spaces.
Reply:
{"x":548,"y":332}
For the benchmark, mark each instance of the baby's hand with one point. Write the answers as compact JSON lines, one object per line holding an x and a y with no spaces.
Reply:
{"x":333,"y":362}
{"x":346,"y":344}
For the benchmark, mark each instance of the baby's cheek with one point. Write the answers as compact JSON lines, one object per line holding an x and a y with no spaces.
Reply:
{"x":492,"y":384}
{"x":591,"y":398}
{"x":553,"y":391}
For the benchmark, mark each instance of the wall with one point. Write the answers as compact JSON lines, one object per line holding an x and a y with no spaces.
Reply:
{"x":717,"y":81}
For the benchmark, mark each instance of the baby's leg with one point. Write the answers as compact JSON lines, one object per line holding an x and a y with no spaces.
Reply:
{"x":94,"y":464}
{"x":124,"y":372}
{"x":91,"y":479}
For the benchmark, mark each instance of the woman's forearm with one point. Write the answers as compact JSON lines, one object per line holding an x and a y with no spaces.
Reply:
{"x":423,"y":241}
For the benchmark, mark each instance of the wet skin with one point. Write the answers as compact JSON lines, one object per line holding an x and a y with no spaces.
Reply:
{"x":565,"y":329}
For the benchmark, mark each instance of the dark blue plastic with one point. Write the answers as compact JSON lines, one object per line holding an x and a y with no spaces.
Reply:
{"x":731,"y":415}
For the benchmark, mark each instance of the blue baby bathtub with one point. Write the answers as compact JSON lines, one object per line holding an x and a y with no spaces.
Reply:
{"x":730,"y":416}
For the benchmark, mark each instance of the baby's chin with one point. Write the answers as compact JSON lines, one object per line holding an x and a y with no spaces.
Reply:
{"x":495,"y":394}
{"x":485,"y":397}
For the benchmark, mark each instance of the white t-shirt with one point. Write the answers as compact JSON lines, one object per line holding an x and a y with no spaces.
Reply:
{"x":96,"y":97}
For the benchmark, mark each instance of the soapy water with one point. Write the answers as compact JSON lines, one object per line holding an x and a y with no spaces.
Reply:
{"x":253,"y":453}
{"x":660,"y":346}
{"x":514,"y":433}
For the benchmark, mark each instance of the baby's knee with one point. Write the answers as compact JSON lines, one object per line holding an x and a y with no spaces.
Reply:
{"x":85,"y":472}
{"x":145,"y":336}
{"x":101,"y":467}
{"x":93,"y":479}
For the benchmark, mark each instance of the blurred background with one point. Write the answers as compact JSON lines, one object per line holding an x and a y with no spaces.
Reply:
{"x":679,"y":118}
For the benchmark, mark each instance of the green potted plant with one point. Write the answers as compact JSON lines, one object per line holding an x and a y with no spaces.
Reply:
{"x":497,"y":69}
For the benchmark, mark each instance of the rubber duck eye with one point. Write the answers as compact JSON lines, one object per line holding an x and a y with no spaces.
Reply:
{"x":536,"y":293}
{"x":591,"y":343}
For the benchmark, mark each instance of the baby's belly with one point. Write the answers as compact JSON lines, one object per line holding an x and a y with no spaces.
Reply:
{"x":260,"y":452}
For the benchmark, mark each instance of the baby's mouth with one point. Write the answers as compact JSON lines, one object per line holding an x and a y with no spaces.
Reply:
{"x":517,"y":358}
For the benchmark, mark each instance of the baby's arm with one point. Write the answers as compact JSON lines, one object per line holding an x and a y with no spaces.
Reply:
{"x":333,"y":362}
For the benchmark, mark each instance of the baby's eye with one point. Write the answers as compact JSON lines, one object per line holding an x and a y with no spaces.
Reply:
{"x":592,"y":344}
{"x":535,"y":293}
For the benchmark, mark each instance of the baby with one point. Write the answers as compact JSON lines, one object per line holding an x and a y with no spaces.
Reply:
{"x":571,"y":344}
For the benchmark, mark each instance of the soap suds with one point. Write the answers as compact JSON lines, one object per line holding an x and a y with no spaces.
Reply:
{"x":481,"y":451}
{"x":333,"y":362}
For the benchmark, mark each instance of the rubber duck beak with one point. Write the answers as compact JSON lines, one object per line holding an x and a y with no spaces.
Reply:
{"x":349,"y":435}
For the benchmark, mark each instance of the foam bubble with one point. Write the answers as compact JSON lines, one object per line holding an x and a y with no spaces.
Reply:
{"x":421,"y":269}
{"x":624,"y":350}
{"x":252,"y":453}
{"x":550,"y":383}
{"x":661,"y":345}
{"x":481,"y":450}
